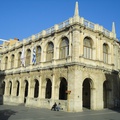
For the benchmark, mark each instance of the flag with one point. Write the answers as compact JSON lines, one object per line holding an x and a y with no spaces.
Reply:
{"x":23,"y":57}
{"x":34,"y":55}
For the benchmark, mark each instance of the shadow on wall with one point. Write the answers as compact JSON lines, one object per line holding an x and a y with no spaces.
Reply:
{"x":5,"y":114}
{"x":1,"y":99}
{"x":111,"y":87}
{"x":2,"y":86}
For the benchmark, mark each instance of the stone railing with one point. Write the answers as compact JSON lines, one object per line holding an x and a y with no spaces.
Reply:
{"x":57,"y":27}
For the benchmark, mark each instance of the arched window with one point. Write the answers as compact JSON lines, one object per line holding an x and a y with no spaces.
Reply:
{"x":19,"y":59}
{"x":38,"y":54}
{"x":10,"y":88}
{"x":50,"y":51}
{"x":105,"y":53}
{"x":64,"y":48}
{"x":18,"y":86}
{"x":6,"y":62}
{"x":88,"y":48}
{"x":28,"y":57}
{"x":12,"y":61}
{"x":3,"y":87}
{"x":36,"y":90}
{"x":26,"y":88}
{"x":48,"y":89}
{"x":63,"y":89}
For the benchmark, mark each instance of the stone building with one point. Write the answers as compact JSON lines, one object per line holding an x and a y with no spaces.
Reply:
{"x":75,"y":63}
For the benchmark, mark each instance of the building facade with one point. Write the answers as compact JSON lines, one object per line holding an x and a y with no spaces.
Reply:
{"x":75,"y":63}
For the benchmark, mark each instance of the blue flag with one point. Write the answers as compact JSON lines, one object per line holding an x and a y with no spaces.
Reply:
{"x":34,"y":55}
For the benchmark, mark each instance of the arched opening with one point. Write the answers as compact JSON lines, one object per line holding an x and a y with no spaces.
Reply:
{"x":26,"y":91}
{"x":18,"y":86}
{"x":86,"y":93}
{"x":50,"y":51}
{"x":105,"y":94}
{"x":10,"y":87}
{"x":64,"y":48}
{"x":36,"y":90}
{"x":63,"y":89}
{"x":48,"y":89}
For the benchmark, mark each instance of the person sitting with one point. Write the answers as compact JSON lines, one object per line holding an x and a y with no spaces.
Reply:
{"x":58,"y":107}
{"x":54,"y":107}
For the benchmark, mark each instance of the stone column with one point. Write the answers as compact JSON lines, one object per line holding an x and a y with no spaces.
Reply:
{"x":40,"y":93}
{"x":43,"y":91}
{"x":22,"y":90}
{"x":93,"y":99}
{"x":70,"y":42}
{"x":75,"y":86}
{"x":53,"y":86}
{"x":76,"y":43}
{"x":6,"y":93}
{"x":31,"y":90}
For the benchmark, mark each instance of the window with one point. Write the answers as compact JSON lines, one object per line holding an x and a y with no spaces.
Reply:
{"x":88,"y":48}
{"x":64,"y":48}
{"x":105,"y":53}
{"x":6,"y":62}
{"x":38,"y":54}
{"x":28,"y":57}
{"x":19,"y":59}
{"x":50,"y":51}
{"x":12,"y":61}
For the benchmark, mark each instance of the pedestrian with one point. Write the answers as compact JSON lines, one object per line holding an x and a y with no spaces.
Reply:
{"x":54,"y":107}
{"x":58,"y":107}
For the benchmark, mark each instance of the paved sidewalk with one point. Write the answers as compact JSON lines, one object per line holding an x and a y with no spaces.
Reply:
{"x":25,"y":113}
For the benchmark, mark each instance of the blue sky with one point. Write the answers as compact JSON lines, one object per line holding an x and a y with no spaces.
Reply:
{"x":23,"y":18}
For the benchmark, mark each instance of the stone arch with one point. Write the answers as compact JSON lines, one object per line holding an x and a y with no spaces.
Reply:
{"x":90,"y":38}
{"x":63,"y":88}
{"x":86,"y":92}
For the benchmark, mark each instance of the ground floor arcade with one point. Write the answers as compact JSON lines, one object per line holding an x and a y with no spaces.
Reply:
{"x":74,"y":87}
